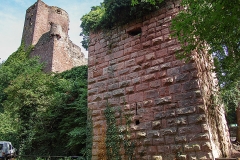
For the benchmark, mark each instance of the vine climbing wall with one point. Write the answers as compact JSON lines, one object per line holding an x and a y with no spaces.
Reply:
{"x":173,"y":106}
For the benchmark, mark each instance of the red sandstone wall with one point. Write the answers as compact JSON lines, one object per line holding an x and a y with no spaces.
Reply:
{"x":141,"y":75}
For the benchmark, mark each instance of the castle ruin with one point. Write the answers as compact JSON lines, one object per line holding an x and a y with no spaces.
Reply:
{"x":172,"y":104}
{"x":46,"y":28}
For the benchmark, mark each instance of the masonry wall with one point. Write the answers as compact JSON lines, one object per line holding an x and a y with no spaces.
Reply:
{"x":134,"y":67}
{"x":46,"y":27}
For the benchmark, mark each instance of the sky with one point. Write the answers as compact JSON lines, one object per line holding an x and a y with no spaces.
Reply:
{"x":12,"y":16}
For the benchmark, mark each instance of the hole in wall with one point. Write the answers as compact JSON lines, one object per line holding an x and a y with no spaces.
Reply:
{"x":137,"y":122}
{"x":135,"y":31}
{"x":58,"y":11}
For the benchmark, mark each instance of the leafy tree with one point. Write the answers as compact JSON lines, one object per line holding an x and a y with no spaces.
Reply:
{"x":42,"y":113}
{"x":51,"y":111}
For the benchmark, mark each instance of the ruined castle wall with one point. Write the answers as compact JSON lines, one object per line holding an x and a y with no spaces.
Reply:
{"x":60,"y":17}
{"x":134,"y":67}
{"x":42,"y":25}
{"x":29,"y":25}
{"x":44,"y":49}
{"x":46,"y":27}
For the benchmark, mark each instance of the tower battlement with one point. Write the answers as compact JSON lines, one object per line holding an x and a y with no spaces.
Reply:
{"x":46,"y":27}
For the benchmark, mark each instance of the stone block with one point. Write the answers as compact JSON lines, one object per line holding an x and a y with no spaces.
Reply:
{"x":156,"y":124}
{"x":161,"y":53}
{"x":155,"y":84}
{"x":204,"y":155}
{"x":136,"y":68}
{"x":158,"y":141}
{"x":206,"y":147}
{"x":124,"y":83}
{"x":153,"y":134}
{"x":166,"y":65}
{"x":113,"y":86}
{"x":189,"y":67}
{"x":192,"y":147}
{"x":182,"y":77}
{"x":199,"y":137}
{"x":97,"y":97}
{"x":148,"y":77}
{"x":167,"y":81}
{"x":199,"y":118}
{"x":118,"y":92}
{"x":151,"y":34}
{"x":186,"y":110}
{"x":151,"y":94}
{"x":181,"y":139}
{"x":147,"y":141}
{"x":190,"y":129}
{"x":132,"y":76}
{"x":164,"y":149}
{"x":135,"y":97}
{"x":183,"y":96}
{"x":140,"y":60}
{"x":176,"y":148}
{"x":176,"y":88}
{"x":130,"y":62}
{"x":157,"y":61}
{"x":146,"y":65}
{"x":169,"y":131}
{"x":93,"y":91}
{"x":129,"y":90}
{"x":107,"y":95}
{"x":152,"y":69}
{"x":177,"y":121}
{"x":142,"y":87}
{"x":169,"y":139}
{"x":157,"y":40}
{"x":147,"y":44}
{"x":173,"y":71}
{"x":190,"y":85}
{"x":148,"y":103}
{"x":157,"y":158}
{"x":141,"y":134}
{"x":163,"y":100}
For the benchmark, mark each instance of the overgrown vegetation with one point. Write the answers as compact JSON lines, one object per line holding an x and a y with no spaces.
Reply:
{"x":118,"y":136}
{"x":214,"y":25}
{"x":114,"y":13}
{"x":43,"y":114}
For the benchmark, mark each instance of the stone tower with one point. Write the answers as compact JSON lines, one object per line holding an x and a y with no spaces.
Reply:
{"x":171,"y":103}
{"x":46,"y":27}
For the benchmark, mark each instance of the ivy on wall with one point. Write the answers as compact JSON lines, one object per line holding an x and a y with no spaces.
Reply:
{"x":118,"y":136}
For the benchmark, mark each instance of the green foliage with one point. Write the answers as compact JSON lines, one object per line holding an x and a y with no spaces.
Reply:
{"x":42,"y":114}
{"x":15,"y":65}
{"x":118,"y":136}
{"x":113,"y":140}
{"x":213,"y":25}
{"x":112,"y":13}
{"x":89,"y":139}
{"x":153,"y":2}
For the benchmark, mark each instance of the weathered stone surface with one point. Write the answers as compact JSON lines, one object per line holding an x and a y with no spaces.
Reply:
{"x":167,"y":99}
{"x":163,"y":100}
